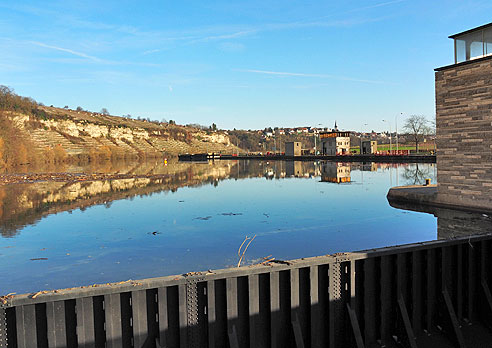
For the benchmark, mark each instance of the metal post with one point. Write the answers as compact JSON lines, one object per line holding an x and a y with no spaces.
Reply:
{"x":396,"y":130}
{"x":315,"y":144}
{"x":361,"y":132}
{"x":390,"y":134}
{"x":355,"y":327}
{"x":454,"y":319}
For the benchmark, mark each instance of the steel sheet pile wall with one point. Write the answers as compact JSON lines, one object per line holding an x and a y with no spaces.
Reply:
{"x":417,"y":295}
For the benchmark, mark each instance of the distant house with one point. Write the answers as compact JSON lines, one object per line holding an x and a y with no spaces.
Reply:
{"x":369,"y":147}
{"x":335,"y":143}
{"x":293,"y":148}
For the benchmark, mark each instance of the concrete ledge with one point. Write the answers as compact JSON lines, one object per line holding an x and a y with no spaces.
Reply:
{"x":424,"y":198}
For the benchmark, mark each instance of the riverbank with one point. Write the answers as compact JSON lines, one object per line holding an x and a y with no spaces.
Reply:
{"x":6,"y":179}
{"x":348,"y":158}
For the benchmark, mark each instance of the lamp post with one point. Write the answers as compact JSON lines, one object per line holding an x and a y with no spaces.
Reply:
{"x":396,"y":130}
{"x":315,"y":137}
{"x":361,"y":132}
{"x":390,"y":134}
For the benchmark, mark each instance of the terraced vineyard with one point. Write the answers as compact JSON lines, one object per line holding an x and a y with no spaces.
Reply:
{"x":82,"y":134}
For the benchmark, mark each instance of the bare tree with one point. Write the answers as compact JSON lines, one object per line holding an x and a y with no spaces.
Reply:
{"x":418,"y":127}
{"x":104,"y":111}
{"x":415,"y":175}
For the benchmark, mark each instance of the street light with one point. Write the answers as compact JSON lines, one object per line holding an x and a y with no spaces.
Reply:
{"x":315,"y":136}
{"x":396,"y":130}
{"x":361,"y":132}
{"x":390,"y":133}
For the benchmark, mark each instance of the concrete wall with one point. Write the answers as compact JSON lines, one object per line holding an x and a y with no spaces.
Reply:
{"x":293,"y":148}
{"x":369,"y":147}
{"x":464,"y":133}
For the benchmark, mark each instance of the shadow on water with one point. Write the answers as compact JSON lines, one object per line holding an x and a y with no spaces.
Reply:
{"x":452,"y":223}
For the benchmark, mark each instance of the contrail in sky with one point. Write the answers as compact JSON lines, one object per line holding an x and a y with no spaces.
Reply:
{"x":75,"y":53}
{"x":324,"y":76}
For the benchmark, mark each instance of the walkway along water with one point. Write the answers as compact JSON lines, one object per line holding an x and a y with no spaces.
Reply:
{"x":419,"y":295}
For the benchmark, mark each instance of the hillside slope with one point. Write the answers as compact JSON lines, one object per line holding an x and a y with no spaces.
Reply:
{"x":29,"y":130}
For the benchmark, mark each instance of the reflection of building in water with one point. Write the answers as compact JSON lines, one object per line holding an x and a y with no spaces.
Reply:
{"x":289,"y":169}
{"x":335,"y":172}
{"x":369,"y":167}
{"x":293,"y":168}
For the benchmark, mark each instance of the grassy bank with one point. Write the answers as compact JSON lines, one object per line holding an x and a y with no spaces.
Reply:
{"x":424,"y":147}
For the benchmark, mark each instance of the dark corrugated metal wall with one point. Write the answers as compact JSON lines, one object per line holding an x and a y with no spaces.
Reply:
{"x":412,"y":296}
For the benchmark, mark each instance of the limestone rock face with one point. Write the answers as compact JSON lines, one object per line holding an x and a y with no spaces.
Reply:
{"x":79,"y":133}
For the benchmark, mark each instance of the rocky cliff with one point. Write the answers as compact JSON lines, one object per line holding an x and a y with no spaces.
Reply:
{"x":81,"y":133}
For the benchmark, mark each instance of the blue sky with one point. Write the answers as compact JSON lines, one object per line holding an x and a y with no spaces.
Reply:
{"x":240,"y":64}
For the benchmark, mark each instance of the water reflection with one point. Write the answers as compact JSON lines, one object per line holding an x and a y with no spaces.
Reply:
{"x":193,"y":217}
{"x":336,"y":172}
{"x":416,"y":174}
{"x":26,"y":204}
{"x":452,"y":223}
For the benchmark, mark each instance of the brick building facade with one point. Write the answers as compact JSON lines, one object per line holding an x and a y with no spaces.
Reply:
{"x":464,"y":127}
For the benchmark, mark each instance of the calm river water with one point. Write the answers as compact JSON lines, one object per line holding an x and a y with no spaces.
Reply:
{"x":194,"y":218}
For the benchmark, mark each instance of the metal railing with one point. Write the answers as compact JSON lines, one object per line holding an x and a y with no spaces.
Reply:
{"x":404,"y":294}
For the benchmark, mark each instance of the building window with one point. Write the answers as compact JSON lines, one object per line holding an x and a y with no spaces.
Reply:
{"x":473,"y":45}
{"x":487,"y":40}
